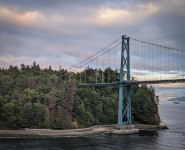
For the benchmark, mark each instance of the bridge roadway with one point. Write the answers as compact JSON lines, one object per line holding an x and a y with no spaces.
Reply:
{"x":131,"y":82}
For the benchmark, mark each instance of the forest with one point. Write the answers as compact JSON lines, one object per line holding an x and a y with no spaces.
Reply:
{"x":31,"y":97}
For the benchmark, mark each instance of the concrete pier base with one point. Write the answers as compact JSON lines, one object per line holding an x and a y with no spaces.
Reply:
{"x":124,"y":127}
{"x":124,"y":130}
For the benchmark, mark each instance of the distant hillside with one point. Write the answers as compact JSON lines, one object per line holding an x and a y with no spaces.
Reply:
{"x":178,"y":98}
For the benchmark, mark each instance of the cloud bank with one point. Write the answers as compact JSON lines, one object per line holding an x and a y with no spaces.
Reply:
{"x":63,"y":33}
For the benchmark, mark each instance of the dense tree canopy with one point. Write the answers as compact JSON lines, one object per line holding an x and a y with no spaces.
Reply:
{"x":41,"y":98}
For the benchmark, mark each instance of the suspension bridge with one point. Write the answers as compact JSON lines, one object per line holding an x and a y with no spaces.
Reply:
{"x":135,"y":62}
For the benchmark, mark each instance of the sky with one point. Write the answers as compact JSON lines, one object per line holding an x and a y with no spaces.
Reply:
{"x":64,"y":32}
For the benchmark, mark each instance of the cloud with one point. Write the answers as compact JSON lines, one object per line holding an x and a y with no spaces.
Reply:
{"x":78,"y":29}
{"x":15,"y":18}
{"x":124,"y":16}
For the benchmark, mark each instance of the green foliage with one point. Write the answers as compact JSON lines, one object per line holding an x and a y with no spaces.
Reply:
{"x":34,"y":98}
{"x":36,"y":115}
{"x":28,"y":114}
{"x":44,"y":89}
{"x":144,"y":107}
{"x":46,"y":122}
{"x":8,"y":114}
{"x":89,"y":119}
{"x":58,"y":120}
{"x":79,"y":109}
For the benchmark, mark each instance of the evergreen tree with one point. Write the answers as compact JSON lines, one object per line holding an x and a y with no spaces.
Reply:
{"x":59,"y":124}
{"x":46,"y":123}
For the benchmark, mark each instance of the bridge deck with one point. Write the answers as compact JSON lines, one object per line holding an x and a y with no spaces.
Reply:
{"x":131,"y":82}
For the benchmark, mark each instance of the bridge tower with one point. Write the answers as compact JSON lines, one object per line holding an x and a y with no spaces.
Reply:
{"x":124,"y":106}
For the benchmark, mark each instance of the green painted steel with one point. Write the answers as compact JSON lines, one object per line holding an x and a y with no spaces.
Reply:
{"x":129,"y":116}
{"x":125,"y":64}
{"x":120,"y":105}
{"x":126,"y":83}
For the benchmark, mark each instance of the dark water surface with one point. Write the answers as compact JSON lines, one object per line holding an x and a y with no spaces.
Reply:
{"x":171,"y":139}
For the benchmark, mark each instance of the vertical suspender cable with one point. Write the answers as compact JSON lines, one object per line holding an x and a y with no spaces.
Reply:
{"x":153,"y":61}
{"x":109,"y":67}
{"x":137,"y":64}
{"x":166,"y":63}
{"x":103,"y":69}
{"x":144,"y":61}
{"x":182,"y":65}
{"x":173,"y":63}
{"x":114,"y":68}
{"x":161,"y":69}
{"x":159,"y":64}
{"x":85,"y":75}
{"x":91,"y":72}
{"x":80,"y":76}
{"x":177,"y":63}
{"x":96,"y":69}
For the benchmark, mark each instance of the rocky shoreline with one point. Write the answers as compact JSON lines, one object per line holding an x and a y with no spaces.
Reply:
{"x":94,"y":130}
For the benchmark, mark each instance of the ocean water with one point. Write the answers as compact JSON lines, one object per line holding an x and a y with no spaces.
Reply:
{"x":171,"y":139}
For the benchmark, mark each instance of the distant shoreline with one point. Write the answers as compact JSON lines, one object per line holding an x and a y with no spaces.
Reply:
{"x":94,"y":130}
{"x":182,"y":99}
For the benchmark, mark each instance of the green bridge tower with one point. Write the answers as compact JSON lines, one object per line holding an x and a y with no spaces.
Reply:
{"x":124,"y":106}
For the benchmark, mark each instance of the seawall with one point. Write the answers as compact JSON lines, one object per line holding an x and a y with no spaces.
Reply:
{"x":94,"y":130}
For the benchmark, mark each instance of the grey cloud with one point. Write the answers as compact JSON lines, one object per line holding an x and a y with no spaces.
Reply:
{"x":170,"y":20}
{"x":78,"y":38}
{"x":54,"y":5}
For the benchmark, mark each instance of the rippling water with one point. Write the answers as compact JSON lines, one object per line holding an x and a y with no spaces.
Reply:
{"x":172,"y":139}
